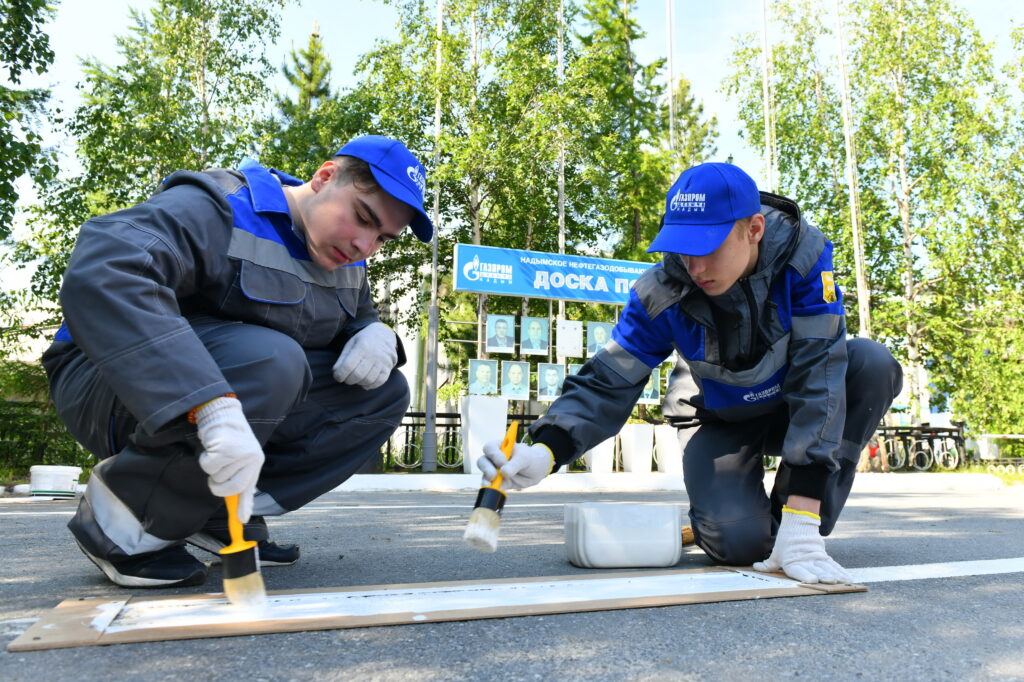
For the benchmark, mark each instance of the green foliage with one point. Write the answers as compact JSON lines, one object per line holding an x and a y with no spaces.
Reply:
{"x":631,"y":170}
{"x":310,"y":74}
{"x":30,"y":431}
{"x":185,"y":95}
{"x":930,"y":122}
{"x":24,"y":47}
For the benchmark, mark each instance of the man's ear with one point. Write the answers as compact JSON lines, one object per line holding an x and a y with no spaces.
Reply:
{"x":324,"y":175}
{"x":755,"y":230}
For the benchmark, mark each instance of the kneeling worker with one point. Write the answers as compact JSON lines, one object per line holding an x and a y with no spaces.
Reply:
{"x":220,"y":339}
{"x":745,"y":295}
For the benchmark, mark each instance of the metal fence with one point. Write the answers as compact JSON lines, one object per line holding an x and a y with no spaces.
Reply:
{"x":404,"y":450}
{"x":915,"y":448}
{"x":923,"y":447}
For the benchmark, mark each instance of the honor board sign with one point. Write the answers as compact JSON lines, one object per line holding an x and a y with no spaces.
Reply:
{"x":534,"y":274}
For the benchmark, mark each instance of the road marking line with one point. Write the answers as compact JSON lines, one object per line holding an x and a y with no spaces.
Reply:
{"x":951,"y":569}
{"x":38,"y":513}
{"x":317,"y":509}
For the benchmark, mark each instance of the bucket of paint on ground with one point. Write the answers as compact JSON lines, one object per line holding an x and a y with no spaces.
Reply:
{"x":602,"y":535}
{"x":53,"y":481}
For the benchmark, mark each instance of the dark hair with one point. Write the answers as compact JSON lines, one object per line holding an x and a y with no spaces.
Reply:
{"x":353,"y":170}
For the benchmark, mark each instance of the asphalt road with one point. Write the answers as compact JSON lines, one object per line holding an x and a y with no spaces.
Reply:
{"x":934,"y":629}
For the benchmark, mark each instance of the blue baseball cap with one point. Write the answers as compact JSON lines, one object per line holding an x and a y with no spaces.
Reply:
{"x":702,"y":206}
{"x":397,"y":172}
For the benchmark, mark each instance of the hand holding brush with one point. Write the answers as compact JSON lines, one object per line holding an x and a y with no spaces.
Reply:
{"x":508,"y":465}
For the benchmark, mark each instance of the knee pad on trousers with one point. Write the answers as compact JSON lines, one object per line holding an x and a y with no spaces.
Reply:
{"x":735,"y":543}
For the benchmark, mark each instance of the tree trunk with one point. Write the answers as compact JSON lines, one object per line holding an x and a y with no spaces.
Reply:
{"x":860,"y":268}
{"x":903,"y":199}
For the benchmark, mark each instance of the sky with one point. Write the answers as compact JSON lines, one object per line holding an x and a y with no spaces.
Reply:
{"x":703,"y":39}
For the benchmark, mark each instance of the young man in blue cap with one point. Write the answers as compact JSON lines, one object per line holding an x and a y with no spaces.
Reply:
{"x":746,"y":296}
{"x":220,"y":339}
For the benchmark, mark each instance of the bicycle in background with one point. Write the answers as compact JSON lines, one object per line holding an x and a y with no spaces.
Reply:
{"x":923,"y":447}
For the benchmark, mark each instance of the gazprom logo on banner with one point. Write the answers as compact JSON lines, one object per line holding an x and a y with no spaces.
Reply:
{"x":688,"y":202}
{"x":477,"y":270}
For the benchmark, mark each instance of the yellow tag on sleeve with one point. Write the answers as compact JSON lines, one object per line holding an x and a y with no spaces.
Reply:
{"x":828,"y":287}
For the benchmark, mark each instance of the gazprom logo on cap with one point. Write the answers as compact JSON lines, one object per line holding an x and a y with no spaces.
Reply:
{"x":688,"y":202}
{"x":416,"y":175}
{"x":477,"y":270}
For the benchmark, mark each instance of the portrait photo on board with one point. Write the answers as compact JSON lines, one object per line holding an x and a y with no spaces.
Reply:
{"x":533,"y":336}
{"x":549,"y":381}
{"x":501,"y":336}
{"x":598,"y":334}
{"x":574,"y":368}
{"x":483,"y":377}
{"x":651,"y":395}
{"x":515,"y":380}
{"x":569,"y":339}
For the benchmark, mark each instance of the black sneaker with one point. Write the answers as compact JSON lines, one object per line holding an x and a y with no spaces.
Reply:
{"x":214,"y":537}
{"x":170,"y":567}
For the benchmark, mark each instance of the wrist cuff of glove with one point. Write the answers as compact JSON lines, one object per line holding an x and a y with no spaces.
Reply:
{"x":558,"y":442}
{"x":788,"y":510}
{"x":209,"y":407}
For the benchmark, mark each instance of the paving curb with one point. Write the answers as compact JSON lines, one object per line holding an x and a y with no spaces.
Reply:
{"x":871,"y":482}
{"x":629,"y":482}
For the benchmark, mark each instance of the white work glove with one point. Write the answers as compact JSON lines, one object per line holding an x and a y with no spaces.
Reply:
{"x":233,"y":456}
{"x":368,"y":357}
{"x":800,"y":551}
{"x":527,"y":466}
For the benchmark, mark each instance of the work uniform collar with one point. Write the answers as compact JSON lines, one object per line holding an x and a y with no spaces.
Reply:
{"x":265,"y":187}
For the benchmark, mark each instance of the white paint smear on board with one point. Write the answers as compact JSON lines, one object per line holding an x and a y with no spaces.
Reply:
{"x":192,"y":613}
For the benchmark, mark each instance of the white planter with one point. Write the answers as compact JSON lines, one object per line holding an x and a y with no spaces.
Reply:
{"x":54,"y":481}
{"x":483,"y":419}
{"x":637,"y":443}
{"x":667,"y":452}
{"x":599,"y":458}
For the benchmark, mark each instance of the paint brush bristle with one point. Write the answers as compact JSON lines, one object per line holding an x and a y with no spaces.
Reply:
{"x":240,"y":562}
{"x":485,"y":521}
{"x":482,"y":531}
{"x":246,"y":590}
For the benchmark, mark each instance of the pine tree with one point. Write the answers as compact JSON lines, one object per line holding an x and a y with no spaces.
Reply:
{"x":310,"y":74}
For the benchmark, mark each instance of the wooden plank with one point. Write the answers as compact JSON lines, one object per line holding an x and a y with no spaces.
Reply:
{"x":147,"y":619}
{"x":73,"y":622}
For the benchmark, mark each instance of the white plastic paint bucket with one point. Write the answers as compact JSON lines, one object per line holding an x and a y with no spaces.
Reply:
{"x":53,"y":481}
{"x":602,"y":535}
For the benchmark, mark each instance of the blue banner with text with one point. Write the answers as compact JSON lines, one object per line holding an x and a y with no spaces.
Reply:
{"x":533,"y":274}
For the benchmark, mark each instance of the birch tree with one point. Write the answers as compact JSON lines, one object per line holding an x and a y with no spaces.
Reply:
{"x":189,"y":83}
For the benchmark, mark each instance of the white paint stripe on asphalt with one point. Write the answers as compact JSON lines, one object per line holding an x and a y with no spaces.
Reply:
{"x":15,"y":626}
{"x":412,"y":506}
{"x":952,"y":569}
{"x":39,"y":513}
{"x":318,"y":509}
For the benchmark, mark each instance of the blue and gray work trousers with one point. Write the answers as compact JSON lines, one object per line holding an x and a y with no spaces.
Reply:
{"x":148,"y":492}
{"x":734,"y":520}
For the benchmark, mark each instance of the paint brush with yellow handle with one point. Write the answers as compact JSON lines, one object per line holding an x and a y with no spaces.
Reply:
{"x":485,"y":521}
{"x":240,"y":561}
